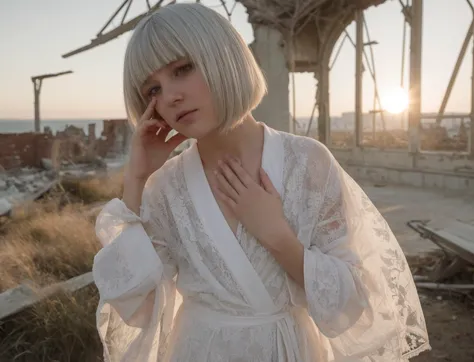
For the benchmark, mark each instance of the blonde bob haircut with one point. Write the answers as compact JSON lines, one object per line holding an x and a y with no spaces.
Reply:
{"x":204,"y":37}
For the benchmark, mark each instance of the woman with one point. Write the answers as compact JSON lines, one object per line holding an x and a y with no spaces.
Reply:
{"x":277,"y":253}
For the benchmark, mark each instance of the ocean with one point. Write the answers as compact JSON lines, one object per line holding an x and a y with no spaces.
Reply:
{"x":21,"y":126}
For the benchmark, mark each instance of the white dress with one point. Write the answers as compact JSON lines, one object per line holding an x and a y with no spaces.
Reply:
{"x":359,"y":302}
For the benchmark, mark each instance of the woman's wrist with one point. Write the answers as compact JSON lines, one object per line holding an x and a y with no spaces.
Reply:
{"x":132,"y":193}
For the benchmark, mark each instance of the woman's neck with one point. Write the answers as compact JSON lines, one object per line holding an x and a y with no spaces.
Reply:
{"x":244,"y":142}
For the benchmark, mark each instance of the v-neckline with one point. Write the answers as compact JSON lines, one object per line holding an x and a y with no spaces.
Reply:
{"x":220,"y":236}
{"x":207,"y":190}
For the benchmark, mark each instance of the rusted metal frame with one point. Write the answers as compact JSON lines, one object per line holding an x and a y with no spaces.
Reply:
{"x":113,"y":16}
{"x":37,"y":84}
{"x":374,"y":75}
{"x":114,"y":33}
{"x":229,"y":13}
{"x":471,"y":134}
{"x":292,"y":34}
{"x":126,"y":12}
{"x":455,"y":73}
{"x":359,"y":78}
{"x":338,"y":51}
{"x":402,"y":73}
{"x":369,"y":67}
{"x":338,"y":27}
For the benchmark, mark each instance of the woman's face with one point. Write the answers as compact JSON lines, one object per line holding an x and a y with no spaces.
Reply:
{"x":183,"y":99}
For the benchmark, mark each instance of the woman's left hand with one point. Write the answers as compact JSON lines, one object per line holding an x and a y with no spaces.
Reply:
{"x":258,"y":208}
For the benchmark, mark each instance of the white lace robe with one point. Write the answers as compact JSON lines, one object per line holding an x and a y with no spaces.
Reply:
{"x":359,"y":302}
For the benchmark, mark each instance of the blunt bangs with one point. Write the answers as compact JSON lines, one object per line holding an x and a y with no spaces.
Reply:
{"x":207,"y":39}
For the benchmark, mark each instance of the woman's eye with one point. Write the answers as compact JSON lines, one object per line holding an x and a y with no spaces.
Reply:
{"x":153,"y":91}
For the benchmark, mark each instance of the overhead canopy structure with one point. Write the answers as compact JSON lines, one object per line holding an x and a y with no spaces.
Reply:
{"x":285,"y":14}
{"x":312,"y":26}
{"x":289,"y":15}
{"x":124,"y":27}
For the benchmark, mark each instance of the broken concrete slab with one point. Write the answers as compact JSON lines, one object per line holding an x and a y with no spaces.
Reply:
{"x":23,"y":296}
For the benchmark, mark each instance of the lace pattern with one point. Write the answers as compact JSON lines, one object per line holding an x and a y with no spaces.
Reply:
{"x":356,"y":277}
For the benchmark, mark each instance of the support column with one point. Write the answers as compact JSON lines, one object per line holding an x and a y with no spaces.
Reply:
{"x":414,"y":114}
{"x":37,"y":83}
{"x":324,"y":117}
{"x":267,"y":48}
{"x":359,"y":123}
{"x":471,"y":143}
{"x":37,"y":90}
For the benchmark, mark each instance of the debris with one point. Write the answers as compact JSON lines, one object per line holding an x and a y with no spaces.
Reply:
{"x":458,"y":287}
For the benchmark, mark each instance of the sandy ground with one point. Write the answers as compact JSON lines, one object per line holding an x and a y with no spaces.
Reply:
{"x":450,"y":318}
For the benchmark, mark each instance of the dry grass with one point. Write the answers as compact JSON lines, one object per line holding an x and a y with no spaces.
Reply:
{"x":45,"y":242}
{"x":61,"y":328}
{"x":48,"y":247}
{"x":94,"y":190}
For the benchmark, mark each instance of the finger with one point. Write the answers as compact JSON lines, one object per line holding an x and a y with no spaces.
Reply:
{"x":227,"y":189}
{"x":231,"y":177}
{"x":241,"y":173}
{"x":150,"y":109}
{"x":226,"y":199}
{"x":267,"y":183}
{"x":149,"y":125}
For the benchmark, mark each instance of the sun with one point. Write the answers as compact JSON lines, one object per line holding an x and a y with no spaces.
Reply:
{"x":395,"y":101}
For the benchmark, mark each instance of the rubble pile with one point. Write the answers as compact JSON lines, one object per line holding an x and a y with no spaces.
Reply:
{"x":32,"y":163}
{"x":22,"y":185}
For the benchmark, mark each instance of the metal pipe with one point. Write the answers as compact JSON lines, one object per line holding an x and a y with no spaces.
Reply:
{"x":338,"y":51}
{"x":113,"y":16}
{"x":456,"y":69}
{"x":359,"y":126}
{"x":374,"y":75}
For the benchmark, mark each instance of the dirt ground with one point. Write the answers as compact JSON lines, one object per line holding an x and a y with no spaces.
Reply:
{"x":449,"y":317}
{"x":450,"y":322}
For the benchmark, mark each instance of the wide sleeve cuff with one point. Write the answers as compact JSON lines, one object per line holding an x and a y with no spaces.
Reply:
{"x":128,"y":263}
{"x":334,"y":301}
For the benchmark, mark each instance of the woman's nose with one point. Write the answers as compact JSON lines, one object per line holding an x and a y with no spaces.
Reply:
{"x":172,"y":95}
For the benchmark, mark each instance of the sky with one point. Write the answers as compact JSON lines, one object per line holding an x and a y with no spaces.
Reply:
{"x":34,"y":34}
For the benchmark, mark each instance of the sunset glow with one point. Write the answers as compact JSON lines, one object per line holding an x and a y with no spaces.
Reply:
{"x":395,"y":100}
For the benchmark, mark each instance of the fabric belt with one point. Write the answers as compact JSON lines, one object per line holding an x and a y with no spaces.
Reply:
{"x":221,"y":318}
{"x":288,"y":346}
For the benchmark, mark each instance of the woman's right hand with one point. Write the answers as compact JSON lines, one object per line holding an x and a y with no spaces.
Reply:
{"x":149,"y":151}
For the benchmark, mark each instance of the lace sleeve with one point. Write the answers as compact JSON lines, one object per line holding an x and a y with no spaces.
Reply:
{"x":134,"y":258}
{"x":359,"y":287}
{"x":335,"y":300}
{"x":134,"y":273}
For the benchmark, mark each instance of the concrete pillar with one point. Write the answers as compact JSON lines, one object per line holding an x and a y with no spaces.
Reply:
{"x":37,"y":90}
{"x":274,"y":110}
{"x":471,"y":144}
{"x":324,"y":117}
{"x":91,"y":133}
{"x":414,"y":114}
